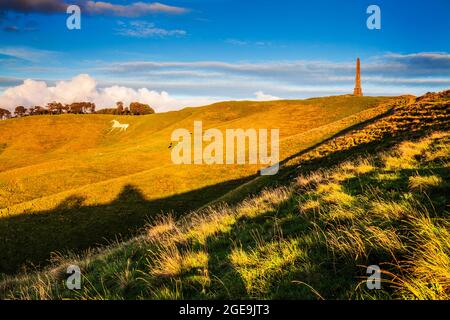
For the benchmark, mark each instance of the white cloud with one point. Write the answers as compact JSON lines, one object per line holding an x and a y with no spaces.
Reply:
{"x":238,"y":42}
{"x":84,"y":88}
{"x":143,"y":29}
{"x":261,"y":96}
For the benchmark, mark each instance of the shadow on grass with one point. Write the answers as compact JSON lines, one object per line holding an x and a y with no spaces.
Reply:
{"x":29,"y":239}
{"x":317,"y":271}
{"x":312,"y":274}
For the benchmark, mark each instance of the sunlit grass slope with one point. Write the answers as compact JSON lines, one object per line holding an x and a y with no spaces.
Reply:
{"x":52,"y":154}
{"x":66,"y":182}
{"x":374,"y":195}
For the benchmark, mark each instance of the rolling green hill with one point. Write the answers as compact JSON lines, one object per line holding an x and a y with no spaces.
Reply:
{"x":67,"y":183}
{"x":376,"y":193}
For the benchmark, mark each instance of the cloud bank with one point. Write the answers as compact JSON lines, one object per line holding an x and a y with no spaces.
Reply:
{"x":85,"y":88}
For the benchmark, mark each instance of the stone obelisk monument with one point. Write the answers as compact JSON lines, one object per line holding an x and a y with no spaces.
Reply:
{"x":358,"y":91}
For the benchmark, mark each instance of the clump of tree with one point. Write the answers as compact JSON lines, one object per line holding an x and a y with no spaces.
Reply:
{"x":119,"y":109}
{"x":53,"y":108}
{"x":37,"y":110}
{"x":4,"y":114}
{"x":56,"y":108}
{"x":137,"y":108}
{"x":20,"y":111}
{"x":82,"y":107}
{"x":107,"y":111}
{"x":119,"y":105}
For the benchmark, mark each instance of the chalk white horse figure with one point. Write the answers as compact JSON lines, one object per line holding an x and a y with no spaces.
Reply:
{"x":118,"y":125}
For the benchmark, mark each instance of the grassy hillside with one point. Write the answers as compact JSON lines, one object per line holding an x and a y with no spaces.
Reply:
{"x":66,"y":182}
{"x":375,"y":194}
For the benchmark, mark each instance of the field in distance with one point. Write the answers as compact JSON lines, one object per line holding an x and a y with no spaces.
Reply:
{"x":67,"y":183}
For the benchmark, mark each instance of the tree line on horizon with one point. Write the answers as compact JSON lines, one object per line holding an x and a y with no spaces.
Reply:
{"x":55,"y":108}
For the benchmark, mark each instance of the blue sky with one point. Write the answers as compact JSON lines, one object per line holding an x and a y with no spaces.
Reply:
{"x":189,"y":52}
